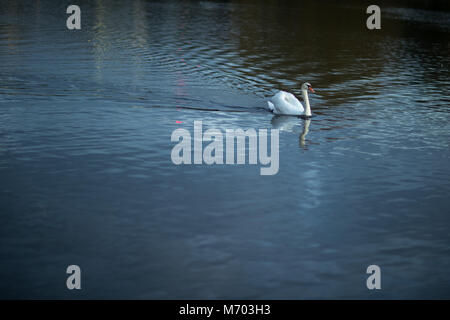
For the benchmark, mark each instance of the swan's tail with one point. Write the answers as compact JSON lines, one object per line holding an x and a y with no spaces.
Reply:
{"x":271,"y":106}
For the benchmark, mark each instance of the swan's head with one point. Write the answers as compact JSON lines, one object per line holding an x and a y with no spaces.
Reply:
{"x":307,"y":87}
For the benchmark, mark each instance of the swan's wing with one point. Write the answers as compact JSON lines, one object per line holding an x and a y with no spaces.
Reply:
{"x":286,"y":103}
{"x":271,"y":106}
{"x":292,"y":100}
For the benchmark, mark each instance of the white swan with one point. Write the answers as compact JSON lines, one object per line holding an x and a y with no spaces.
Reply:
{"x":286,"y":103}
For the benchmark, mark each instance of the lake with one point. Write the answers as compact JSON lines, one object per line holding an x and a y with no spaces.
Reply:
{"x":85,"y":151}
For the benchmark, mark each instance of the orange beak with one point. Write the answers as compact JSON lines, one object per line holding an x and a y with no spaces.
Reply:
{"x":311,"y":89}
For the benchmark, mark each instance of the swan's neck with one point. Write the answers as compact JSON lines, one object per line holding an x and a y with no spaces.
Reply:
{"x":307,"y":106}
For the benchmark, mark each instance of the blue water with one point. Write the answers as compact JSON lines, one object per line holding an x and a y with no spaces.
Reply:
{"x":87,"y":178}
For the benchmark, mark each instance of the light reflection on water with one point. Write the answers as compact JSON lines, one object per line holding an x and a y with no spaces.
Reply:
{"x":85,"y":152}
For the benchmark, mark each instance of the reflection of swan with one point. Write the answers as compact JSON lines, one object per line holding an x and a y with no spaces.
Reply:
{"x":305,"y":132}
{"x":286,"y":103}
{"x":285,"y":123}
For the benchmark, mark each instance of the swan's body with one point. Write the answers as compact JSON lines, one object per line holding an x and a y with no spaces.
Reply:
{"x":286,"y":103}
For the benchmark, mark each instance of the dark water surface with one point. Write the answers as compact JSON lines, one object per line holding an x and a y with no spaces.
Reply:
{"x":86,"y":175}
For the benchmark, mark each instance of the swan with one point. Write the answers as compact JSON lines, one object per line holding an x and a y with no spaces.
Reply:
{"x":286,"y":103}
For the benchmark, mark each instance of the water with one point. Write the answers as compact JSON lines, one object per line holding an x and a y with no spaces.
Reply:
{"x":87,"y":179}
